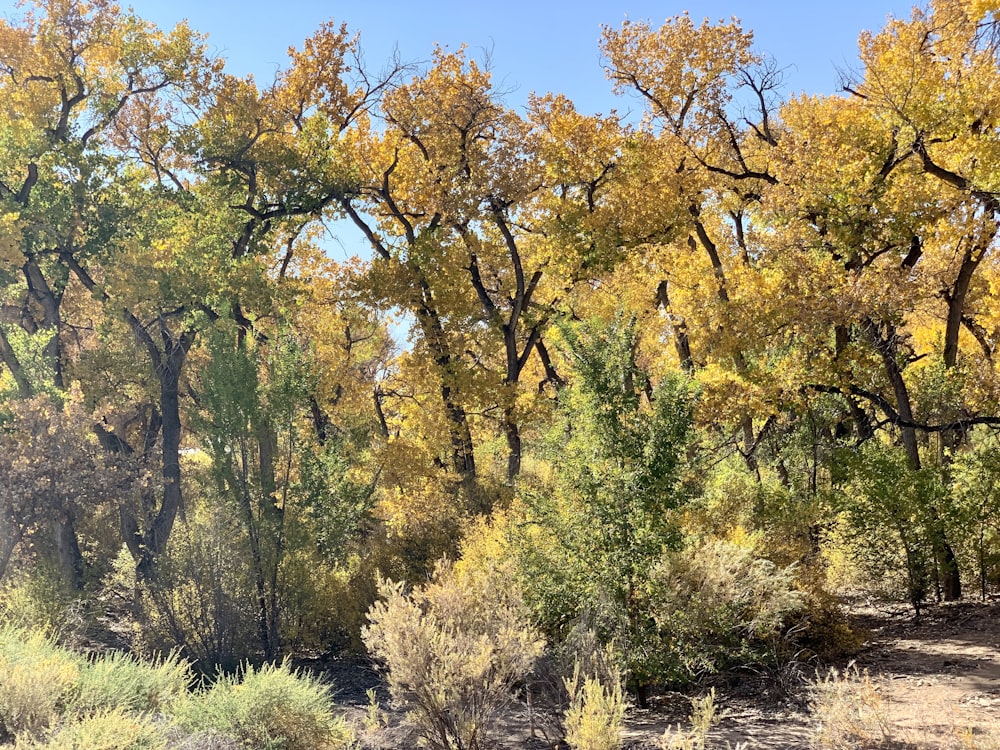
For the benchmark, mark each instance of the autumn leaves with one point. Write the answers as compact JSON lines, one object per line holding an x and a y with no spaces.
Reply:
{"x":777,"y":251}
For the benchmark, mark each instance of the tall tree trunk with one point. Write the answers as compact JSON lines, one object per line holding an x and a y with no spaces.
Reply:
{"x":463,"y":458}
{"x":168,"y":365}
{"x":678,"y":328}
{"x":9,"y":358}
{"x":160,"y":521}
{"x":943,"y":553}
{"x":49,"y":301}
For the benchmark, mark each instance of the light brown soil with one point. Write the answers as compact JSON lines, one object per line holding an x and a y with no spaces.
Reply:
{"x":940,"y":677}
{"x":937,"y":685}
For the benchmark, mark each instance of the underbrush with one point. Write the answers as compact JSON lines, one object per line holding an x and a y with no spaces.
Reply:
{"x":51,"y":697}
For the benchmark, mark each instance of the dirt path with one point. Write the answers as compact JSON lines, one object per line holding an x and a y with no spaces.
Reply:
{"x":940,"y":677}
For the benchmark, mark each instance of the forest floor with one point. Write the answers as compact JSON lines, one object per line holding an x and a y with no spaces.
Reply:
{"x":927,"y":684}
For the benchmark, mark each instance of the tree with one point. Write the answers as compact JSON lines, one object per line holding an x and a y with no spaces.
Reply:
{"x":54,"y":475}
{"x":709,"y":125}
{"x":620,"y":455}
{"x":474,"y":214}
{"x":72,"y":76}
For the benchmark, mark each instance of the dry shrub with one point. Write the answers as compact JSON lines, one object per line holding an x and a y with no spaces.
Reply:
{"x":717,"y":606}
{"x":107,"y":730}
{"x":969,"y":739}
{"x":850,"y":712}
{"x":37,"y":680}
{"x":454,"y":650}
{"x":596,"y":712}
{"x":704,"y":716}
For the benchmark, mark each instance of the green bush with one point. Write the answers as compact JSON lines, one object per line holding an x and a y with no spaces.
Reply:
{"x":202,"y":599}
{"x":35,"y":600}
{"x":118,"y":680}
{"x":50,"y":697}
{"x":270,"y":708}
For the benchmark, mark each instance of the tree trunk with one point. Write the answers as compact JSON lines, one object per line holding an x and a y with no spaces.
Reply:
{"x":513,"y":435}
{"x":943,"y":553}
{"x":9,"y":358}
{"x":67,"y":551}
{"x":463,"y":458}
{"x":49,"y":302}
{"x":169,"y":365}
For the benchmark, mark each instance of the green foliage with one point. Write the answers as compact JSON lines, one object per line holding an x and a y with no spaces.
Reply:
{"x":454,"y":650}
{"x":30,"y":351}
{"x":627,"y":440}
{"x":268,"y":708}
{"x":35,"y":600}
{"x":336,"y":506}
{"x":975,"y":489}
{"x":120,"y":681}
{"x":890,"y":512}
{"x":592,"y":534}
{"x":291,"y":498}
{"x":201,"y":600}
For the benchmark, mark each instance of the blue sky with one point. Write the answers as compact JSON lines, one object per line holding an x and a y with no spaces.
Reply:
{"x":539,"y":46}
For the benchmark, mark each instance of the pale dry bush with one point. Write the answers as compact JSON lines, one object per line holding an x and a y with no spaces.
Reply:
{"x":717,"y":606}
{"x":37,"y":680}
{"x":968,"y":739}
{"x":850,"y":712}
{"x":116,"y":729}
{"x":454,"y":649}
{"x":596,"y":712}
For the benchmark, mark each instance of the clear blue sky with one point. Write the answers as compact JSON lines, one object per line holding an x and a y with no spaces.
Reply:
{"x":539,"y":45}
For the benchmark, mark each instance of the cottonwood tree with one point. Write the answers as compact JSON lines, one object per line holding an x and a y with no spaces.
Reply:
{"x":473,"y":213}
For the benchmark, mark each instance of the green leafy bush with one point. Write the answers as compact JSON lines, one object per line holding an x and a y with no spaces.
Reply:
{"x":34,"y":600}
{"x":587,"y":532}
{"x":202,"y":598}
{"x":270,"y":708}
